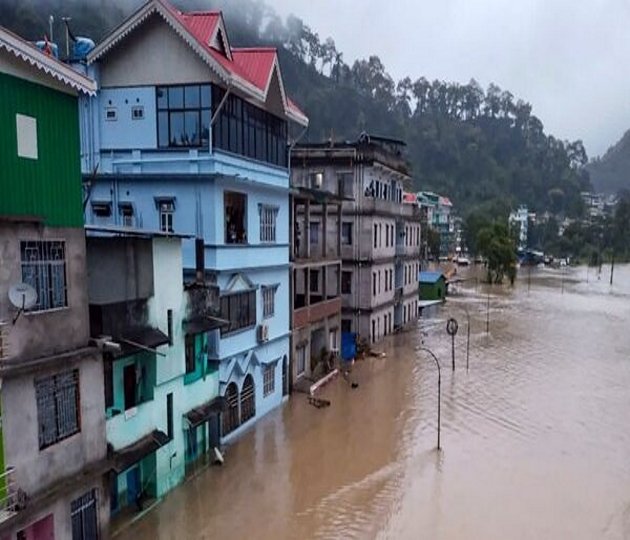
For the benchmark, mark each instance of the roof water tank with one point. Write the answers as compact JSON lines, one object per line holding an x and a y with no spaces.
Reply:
{"x":82,"y":47}
{"x":46,"y":46}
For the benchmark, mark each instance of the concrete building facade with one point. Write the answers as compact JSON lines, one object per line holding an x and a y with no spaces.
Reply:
{"x":380,"y":239}
{"x":53,"y":454}
{"x":188,"y":135}
{"x":316,"y":204}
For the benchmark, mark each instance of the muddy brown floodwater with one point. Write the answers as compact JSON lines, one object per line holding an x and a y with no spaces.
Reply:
{"x":535,"y":436}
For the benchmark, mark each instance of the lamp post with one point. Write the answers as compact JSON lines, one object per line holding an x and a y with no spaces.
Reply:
{"x":451,"y":330}
{"x":467,"y":336}
{"x":437,"y":363}
{"x":488,"y":312}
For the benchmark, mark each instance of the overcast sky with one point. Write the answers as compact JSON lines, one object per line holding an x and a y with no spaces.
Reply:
{"x":569,"y":58}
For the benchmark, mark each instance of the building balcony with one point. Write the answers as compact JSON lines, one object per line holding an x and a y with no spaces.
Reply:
{"x":317,"y":311}
{"x":190,"y":161}
{"x":12,"y":498}
{"x":231,"y":256}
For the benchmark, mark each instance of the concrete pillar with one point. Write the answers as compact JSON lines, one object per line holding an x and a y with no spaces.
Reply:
{"x":307,"y":227}
{"x":324,"y":229}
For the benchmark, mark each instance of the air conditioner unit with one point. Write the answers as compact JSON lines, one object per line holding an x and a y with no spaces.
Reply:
{"x":263,"y":333}
{"x":4,"y":340}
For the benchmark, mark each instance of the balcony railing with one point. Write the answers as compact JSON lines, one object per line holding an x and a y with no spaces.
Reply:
{"x":12,"y":498}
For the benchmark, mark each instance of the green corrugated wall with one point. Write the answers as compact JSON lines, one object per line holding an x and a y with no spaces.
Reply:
{"x":50,"y":186}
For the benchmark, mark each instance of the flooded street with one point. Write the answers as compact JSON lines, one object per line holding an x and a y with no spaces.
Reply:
{"x":535,"y":436}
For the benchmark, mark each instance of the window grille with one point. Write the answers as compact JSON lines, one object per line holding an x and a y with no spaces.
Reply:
{"x":239,"y":309}
{"x":269,"y":379}
{"x":268,"y":215}
{"x":268,"y":296}
{"x":248,"y":400}
{"x":83,"y":514}
{"x":229,"y":417}
{"x":57,"y":407}
{"x":126,"y":213}
{"x":44,"y":268}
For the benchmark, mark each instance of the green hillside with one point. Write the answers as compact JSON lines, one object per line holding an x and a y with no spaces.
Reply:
{"x":611,"y":173}
{"x":478,"y":146}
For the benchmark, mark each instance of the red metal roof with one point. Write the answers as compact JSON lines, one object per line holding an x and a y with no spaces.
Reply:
{"x":256,"y":64}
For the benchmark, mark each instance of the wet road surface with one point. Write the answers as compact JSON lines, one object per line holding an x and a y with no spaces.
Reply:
{"x":535,"y":436}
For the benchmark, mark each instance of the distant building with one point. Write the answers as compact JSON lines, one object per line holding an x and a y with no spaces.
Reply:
{"x":520,"y":219}
{"x":432,"y":286}
{"x":53,"y":449}
{"x":598,"y":205}
{"x":438,"y":211}
{"x":380,"y":234}
{"x":316,"y":237}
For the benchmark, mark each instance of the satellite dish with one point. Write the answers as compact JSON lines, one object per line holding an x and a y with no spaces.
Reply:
{"x":22,"y":296}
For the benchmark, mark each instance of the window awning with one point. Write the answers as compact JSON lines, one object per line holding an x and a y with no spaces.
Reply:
{"x":140,"y":339}
{"x":198,"y":325}
{"x":129,"y":455}
{"x":203,"y":413}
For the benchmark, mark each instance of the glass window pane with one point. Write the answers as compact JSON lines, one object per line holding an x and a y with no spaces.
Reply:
{"x":192,"y":128}
{"x":178,"y":134}
{"x":162,"y":129}
{"x":205,"y":96}
{"x":162,"y":97}
{"x":176,"y":97}
{"x":205,"y":127}
{"x":191,"y":97}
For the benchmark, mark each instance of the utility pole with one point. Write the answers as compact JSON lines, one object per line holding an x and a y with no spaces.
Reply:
{"x":488,"y":312}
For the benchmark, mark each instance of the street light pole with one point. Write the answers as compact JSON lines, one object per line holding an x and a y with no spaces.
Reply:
{"x":437,"y":363}
{"x":467,"y":336}
{"x":488,"y":312}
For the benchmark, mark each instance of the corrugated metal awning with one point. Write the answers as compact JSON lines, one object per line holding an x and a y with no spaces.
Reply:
{"x":129,"y":455}
{"x":203,"y":413}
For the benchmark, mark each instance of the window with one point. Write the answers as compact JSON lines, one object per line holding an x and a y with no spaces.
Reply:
{"x":248,"y":399}
{"x":346,"y":282}
{"x":111,"y":114}
{"x":269,"y":379}
{"x":245,"y":129}
{"x":314,"y":281}
{"x":268,"y":297}
{"x":26,"y":129}
{"x":314,"y":232}
{"x":229,"y":417}
{"x":239,"y":309}
{"x":375,"y":234}
{"x":166,"y":216}
{"x":346,"y":325}
{"x":386,"y":235}
{"x":183,"y":116}
{"x":346,"y":234}
{"x":189,"y":353}
{"x":333,"y":336}
{"x":83,"y":516}
{"x":137,"y":112}
{"x":44,"y":268}
{"x":300,"y":365}
{"x":268,"y":216}
{"x":391,"y":235}
{"x":57,"y":407}
{"x":374,"y":283}
{"x":169,"y":415}
{"x":126,"y":214}
{"x":344,"y":181}
{"x":235,"y":218}
{"x":102,"y":209}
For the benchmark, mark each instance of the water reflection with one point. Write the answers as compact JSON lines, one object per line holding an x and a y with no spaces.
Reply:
{"x":535,"y":436}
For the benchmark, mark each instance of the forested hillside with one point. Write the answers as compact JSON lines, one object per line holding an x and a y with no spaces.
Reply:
{"x":475,"y":145}
{"x":611,"y":173}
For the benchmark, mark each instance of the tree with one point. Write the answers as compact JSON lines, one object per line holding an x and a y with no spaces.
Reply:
{"x":433,"y":242}
{"x":497,"y":245}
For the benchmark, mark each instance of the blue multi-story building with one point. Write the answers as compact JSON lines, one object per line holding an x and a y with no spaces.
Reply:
{"x":189,"y":135}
